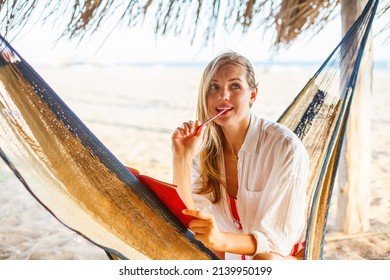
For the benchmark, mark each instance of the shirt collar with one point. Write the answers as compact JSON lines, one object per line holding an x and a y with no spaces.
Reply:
{"x":252,"y":136}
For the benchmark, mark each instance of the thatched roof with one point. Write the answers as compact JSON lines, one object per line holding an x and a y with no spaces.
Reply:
{"x":287,"y":19}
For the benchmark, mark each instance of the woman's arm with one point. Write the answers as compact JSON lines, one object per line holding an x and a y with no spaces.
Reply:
{"x":186,"y":141}
{"x":182,"y":179}
{"x":281,"y":213}
{"x":206,"y":230}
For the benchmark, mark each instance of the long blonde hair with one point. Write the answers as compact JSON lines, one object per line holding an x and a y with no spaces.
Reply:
{"x":210,"y":178}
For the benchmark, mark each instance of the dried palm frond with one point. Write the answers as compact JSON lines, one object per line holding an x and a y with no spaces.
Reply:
{"x":296,"y":16}
{"x":286,"y":19}
{"x":381,"y":13}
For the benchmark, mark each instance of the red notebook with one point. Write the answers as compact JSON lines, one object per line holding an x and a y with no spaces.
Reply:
{"x":166,"y":193}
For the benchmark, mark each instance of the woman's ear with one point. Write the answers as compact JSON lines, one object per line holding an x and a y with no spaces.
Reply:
{"x":253,"y":96}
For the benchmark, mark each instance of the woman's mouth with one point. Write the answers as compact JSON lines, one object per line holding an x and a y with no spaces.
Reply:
{"x":226,"y":109}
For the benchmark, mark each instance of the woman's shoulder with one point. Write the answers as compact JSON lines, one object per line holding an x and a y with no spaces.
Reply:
{"x":274,"y":128}
{"x":274,"y":133}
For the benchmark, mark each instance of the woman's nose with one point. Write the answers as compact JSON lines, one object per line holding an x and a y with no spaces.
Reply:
{"x":224,"y":94}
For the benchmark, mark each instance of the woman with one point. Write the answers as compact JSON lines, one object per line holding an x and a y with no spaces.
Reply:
{"x":243,"y":178}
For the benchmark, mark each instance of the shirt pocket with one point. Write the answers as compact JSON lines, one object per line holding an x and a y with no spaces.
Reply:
{"x":250,"y":201}
{"x":257,"y":187}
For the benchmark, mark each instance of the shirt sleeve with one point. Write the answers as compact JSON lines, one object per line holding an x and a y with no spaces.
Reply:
{"x":281,"y":218}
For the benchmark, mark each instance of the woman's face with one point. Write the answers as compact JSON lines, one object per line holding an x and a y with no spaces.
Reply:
{"x":229,"y":89}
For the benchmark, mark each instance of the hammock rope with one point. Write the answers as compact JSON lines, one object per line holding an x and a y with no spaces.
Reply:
{"x":70,"y":172}
{"x":319,"y":115}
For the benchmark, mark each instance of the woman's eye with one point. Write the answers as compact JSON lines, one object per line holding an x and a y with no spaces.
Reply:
{"x":235,"y":86}
{"x":213,"y":87}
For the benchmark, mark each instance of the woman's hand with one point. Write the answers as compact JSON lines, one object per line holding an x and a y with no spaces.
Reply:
{"x":205,"y":229}
{"x":187,"y":139}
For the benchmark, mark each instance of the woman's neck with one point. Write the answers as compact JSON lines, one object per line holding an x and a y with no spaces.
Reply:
{"x":235,"y":136}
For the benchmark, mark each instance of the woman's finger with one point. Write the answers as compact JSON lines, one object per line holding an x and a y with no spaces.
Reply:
{"x":178,"y":132}
{"x":200,"y":223}
{"x":189,"y":128}
{"x":198,"y":214}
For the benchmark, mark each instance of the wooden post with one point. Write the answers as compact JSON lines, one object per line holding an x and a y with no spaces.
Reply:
{"x":354,"y":170}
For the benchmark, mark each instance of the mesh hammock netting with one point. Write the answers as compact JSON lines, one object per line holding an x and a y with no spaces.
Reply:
{"x":70,"y":172}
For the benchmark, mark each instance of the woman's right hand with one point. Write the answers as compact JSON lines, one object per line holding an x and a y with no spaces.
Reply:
{"x":186,"y":140}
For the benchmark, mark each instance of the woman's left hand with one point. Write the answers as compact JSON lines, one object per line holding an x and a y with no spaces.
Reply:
{"x":205,"y":229}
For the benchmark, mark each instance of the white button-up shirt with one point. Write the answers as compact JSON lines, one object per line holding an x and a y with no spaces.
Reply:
{"x":273,"y":169}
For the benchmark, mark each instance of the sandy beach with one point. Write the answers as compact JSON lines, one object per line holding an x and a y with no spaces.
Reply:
{"x":133,"y":111}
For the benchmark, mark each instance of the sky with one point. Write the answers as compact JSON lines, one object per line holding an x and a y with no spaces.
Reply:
{"x":39,"y":44}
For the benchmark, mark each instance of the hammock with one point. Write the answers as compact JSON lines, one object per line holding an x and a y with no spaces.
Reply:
{"x":70,"y":172}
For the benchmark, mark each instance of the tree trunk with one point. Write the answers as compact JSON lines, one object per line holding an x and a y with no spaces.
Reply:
{"x":354,"y":170}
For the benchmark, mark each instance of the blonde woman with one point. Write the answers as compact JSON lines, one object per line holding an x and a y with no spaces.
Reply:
{"x":243,"y":178}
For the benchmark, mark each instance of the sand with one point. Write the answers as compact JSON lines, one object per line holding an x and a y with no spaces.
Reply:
{"x":133,"y":111}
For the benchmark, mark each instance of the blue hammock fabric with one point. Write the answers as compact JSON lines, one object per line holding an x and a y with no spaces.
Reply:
{"x":70,"y":172}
